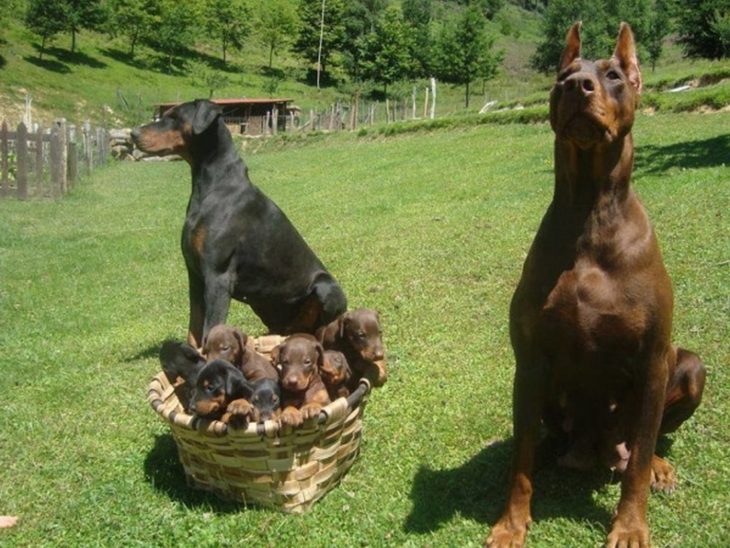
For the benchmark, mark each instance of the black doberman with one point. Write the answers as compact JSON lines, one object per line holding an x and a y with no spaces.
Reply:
{"x":236,"y":241}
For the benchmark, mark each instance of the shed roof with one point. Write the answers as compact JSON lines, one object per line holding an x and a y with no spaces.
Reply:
{"x":228,"y":102}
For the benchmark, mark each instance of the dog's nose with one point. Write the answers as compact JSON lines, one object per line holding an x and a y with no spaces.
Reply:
{"x":582,"y":83}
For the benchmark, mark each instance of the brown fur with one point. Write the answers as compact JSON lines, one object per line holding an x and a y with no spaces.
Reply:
{"x":591,"y":318}
{"x":229,"y":343}
{"x":357,"y":334}
{"x":298,"y":360}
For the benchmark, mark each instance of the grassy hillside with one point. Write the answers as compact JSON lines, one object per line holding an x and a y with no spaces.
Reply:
{"x":102,"y":83}
{"x":431,"y":229}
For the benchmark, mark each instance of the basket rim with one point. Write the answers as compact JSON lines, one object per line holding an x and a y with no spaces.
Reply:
{"x":160,"y":387}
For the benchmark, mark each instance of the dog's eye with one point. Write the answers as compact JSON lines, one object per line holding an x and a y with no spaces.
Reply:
{"x":613,"y":75}
{"x":275,"y":400}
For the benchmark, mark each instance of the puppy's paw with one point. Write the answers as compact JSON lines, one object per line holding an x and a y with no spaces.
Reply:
{"x":310,"y":411}
{"x":239,"y":412}
{"x":291,"y":417}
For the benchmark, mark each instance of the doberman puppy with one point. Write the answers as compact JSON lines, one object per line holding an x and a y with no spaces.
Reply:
{"x":266,"y":399}
{"x":591,"y":318}
{"x":298,"y":360}
{"x":357,"y":334}
{"x":221,"y":392}
{"x":236,"y":242}
{"x":229,"y":343}
{"x":335,"y":373}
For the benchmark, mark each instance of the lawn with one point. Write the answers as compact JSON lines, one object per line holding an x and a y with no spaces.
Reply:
{"x":431,"y":229}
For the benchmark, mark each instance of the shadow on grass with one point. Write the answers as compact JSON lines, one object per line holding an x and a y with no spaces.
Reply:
{"x":73,"y":58}
{"x":688,"y":154}
{"x":48,"y":64}
{"x":3,"y":62}
{"x":145,"y":354}
{"x":138,"y":61}
{"x":163,"y":470}
{"x":477,"y":490}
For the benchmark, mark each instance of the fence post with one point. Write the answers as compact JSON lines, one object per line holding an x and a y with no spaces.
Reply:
{"x":56,"y":161}
{"x":274,"y":120}
{"x":4,"y":151}
{"x":73,"y":167}
{"x":39,"y":160}
{"x":21,"y":171}
{"x":61,"y":124}
{"x":88,"y":152}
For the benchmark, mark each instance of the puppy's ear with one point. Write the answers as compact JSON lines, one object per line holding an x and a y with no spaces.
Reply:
{"x":342,"y":323}
{"x":275,"y":355}
{"x":241,"y":338}
{"x":205,"y":114}
{"x":320,"y":355}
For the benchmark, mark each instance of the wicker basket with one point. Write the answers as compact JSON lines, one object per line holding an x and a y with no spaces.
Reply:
{"x":284,"y":468}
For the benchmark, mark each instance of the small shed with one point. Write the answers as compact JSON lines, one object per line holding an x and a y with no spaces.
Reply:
{"x":256,"y":116}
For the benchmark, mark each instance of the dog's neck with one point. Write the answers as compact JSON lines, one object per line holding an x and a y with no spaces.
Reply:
{"x":214,"y":150}
{"x":591,"y":181}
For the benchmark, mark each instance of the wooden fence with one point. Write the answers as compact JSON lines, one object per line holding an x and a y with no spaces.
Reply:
{"x":47,"y":163}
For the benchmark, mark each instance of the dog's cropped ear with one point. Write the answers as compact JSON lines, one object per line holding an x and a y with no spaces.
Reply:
{"x":572,"y":47}
{"x":625,"y":55}
{"x":205,"y":114}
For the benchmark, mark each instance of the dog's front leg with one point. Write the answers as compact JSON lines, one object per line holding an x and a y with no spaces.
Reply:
{"x":629,"y":525}
{"x":528,"y":397}
{"x":197,"y":310}
{"x":217,"y":300}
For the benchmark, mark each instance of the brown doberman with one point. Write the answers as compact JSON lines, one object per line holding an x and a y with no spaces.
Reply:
{"x":591,"y":319}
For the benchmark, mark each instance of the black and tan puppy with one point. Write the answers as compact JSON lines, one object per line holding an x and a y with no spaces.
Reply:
{"x":222,"y":392}
{"x":357,"y":334}
{"x":335,"y":373}
{"x":180,"y":361}
{"x":298,"y":360}
{"x":236,"y":241}
{"x":229,"y":343}
{"x":266,"y":399}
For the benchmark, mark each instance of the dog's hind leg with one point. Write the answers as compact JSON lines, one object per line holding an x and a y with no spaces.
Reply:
{"x":684,"y":391}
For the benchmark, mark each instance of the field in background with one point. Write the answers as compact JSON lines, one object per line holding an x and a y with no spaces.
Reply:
{"x":429,"y":228}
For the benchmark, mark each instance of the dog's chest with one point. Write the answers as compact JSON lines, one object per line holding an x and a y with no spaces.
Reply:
{"x":590,"y":311}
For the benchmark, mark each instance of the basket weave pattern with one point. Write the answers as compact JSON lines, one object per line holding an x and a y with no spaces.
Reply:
{"x":284,"y":468}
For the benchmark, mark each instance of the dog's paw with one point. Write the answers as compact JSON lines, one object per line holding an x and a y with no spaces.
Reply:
{"x":506,"y":534}
{"x":310,"y":412}
{"x":239,"y":412}
{"x":290,"y":417}
{"x":631,"y":531}
{"x":663,"y":478}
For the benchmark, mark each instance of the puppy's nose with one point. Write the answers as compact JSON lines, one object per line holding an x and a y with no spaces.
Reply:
{"x":378,"y":354}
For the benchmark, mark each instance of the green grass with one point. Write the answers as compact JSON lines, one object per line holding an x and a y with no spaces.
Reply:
{"x":431,"y":229}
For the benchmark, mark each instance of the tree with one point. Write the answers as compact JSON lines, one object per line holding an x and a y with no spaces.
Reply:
{"x":227,"y":22}
{"x":276,"y":24}
{"x":83,"y":14}
{"x":703,"y":27}
{"x":46,"y":19}
{"x":175,"y":31}
{"x":601,"y":20}
{"x":307,"y":43}
{"x":418,"y":16}
{"x":386,"y":52}
{"x":135,"y":19}
{"x":657,"y":29}
{"x":488,"y":7}
{"x":359,"y":18}
{"x":464,"y":51}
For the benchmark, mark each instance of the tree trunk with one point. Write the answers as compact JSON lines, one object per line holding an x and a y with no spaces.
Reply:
{"x":73,"y":39}
{"x":467,"y":95}
{"x":134,"y":42}
{"x":43,"y":48}
{"x":271,"y":55}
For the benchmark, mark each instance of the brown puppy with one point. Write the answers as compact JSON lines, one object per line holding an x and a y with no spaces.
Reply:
{"x":590,"y":321}
{"x":229,"y":343}
{"x":357,"y":334}
{"x":336,"y":373}
{"x":298,"y":360}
